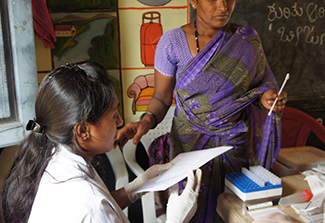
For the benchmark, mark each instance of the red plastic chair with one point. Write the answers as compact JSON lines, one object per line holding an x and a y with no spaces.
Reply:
{"x":296,"y":127}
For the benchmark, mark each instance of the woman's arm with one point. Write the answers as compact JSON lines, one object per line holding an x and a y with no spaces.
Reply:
{"x":158,"y":105}
{"x":162,"y":97}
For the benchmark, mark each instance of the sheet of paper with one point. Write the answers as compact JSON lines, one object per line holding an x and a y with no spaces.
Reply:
{"x":263,"y":212}
{"x":310,"y":216}
{"x":317,"y":188}
{"x":316,"y":185}
{"x":315,"y":218}
{"x":182,"y":162}
{"x":300,"y":209}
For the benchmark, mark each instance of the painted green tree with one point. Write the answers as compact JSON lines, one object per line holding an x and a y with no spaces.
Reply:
{"x":105,"y":48}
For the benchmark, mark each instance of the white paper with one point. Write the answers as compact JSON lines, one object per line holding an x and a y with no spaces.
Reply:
{"x":316,"y":218}
{"x":182,"y":162}
{"x":300,"y":209}
{"x":263,"y":212}
{"x":320,"y":169}
{"x":310,"y":216}
{"x":317,"y":187}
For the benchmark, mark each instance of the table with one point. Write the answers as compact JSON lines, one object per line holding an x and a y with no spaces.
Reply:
{"x":294,"y":160}
{"x":232,"y":209}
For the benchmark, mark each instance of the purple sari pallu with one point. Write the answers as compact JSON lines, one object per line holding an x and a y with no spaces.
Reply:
{"x":215,"y":106}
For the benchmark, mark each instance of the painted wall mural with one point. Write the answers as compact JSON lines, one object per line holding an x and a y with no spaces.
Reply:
{"x":141,"y":90}
{"x":150,"y":31}
{"x":80,"y":5}
{"x":86,"y":36}
{"x":140,"y":30}
{"x":87,"y":30}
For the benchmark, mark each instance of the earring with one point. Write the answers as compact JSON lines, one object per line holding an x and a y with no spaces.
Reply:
{"x":86,"y":139}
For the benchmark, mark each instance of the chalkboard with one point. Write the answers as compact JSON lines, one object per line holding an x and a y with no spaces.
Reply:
{"x":293,"y":38}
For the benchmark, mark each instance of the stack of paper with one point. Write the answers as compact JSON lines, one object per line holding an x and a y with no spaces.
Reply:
{"x":312,"y":212}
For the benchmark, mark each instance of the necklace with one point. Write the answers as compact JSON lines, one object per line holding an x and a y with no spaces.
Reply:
{"x":196,"y":37}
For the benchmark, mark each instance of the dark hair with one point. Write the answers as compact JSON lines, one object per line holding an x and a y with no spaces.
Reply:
{"x":70,"y":94}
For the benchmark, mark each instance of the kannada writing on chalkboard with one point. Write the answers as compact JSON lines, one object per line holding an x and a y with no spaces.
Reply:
{"x":308,"y":33}
{"x":293,"y":36}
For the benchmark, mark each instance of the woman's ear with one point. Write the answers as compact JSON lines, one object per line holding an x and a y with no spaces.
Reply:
{"x":194,"y":3}
{"x":82,"y":132}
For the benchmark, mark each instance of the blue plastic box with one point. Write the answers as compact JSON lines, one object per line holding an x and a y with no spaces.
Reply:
{"x":246,"y":189}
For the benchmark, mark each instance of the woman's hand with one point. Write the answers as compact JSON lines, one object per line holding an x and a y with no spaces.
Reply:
{"x":269,"y":97}
{"x":158,"y":105}
{"x":127,"y":195}
{"x":131,"y":130}
{"x":154,"y":171}
{"x":181,"y":208}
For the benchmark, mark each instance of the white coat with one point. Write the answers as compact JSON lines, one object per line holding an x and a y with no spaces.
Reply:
{"x":70,"y":192}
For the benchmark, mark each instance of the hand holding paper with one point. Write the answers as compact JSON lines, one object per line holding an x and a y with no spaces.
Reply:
{"x":181,"y":163}
{"x":180,"y":209}
{"x":132,"y":188}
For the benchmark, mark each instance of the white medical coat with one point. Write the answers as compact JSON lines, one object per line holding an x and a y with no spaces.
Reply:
{"x":68,"y":192}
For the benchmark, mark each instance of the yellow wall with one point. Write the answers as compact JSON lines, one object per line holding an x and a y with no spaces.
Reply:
{"x":43,"y":59}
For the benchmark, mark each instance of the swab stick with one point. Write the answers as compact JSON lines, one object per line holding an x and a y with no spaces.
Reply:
{"x":283,"y":84}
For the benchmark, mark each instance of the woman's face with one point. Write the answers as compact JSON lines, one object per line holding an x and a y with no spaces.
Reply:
{"x":102,"y":135}
{"x":214,"y":13}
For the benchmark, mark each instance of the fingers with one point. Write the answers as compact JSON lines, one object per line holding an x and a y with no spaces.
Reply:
{"x":156,"y":170}
{"x":164,"y":167}
{"x":283,"y":98}
{"x":280,"y":104}
{"x":131,"y":130}
{"x":198,"y":178}
{"x":269,"y":97}
{"x":174,"y":191}
{"x":122,"y":143}
{"x":124,"y":134}
{"x":142,"y":128}
{"x":193,"y":182}
{"x":190,"y":180}
{"x":116,"y":143}
{"x":137,"y":137}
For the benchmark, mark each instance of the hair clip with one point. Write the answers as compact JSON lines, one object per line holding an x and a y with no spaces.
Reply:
{"x":71,"y":66}
{"x":34,"y":126}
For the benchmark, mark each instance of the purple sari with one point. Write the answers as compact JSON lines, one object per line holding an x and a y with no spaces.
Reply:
{"x":224,"y":81}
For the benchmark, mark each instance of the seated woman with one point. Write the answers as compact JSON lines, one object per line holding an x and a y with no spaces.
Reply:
{"x":53,"y":180}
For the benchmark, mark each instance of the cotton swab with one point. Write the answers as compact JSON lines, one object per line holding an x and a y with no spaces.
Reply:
{"x":283,"y":84}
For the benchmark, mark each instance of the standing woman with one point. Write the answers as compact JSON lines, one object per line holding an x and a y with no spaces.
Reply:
{"x":52,"y":179}
{"x":224,"y":88}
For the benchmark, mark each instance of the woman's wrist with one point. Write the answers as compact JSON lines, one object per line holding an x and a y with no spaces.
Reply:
{"x":153,"y":116}
{"x":258,"y":101}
